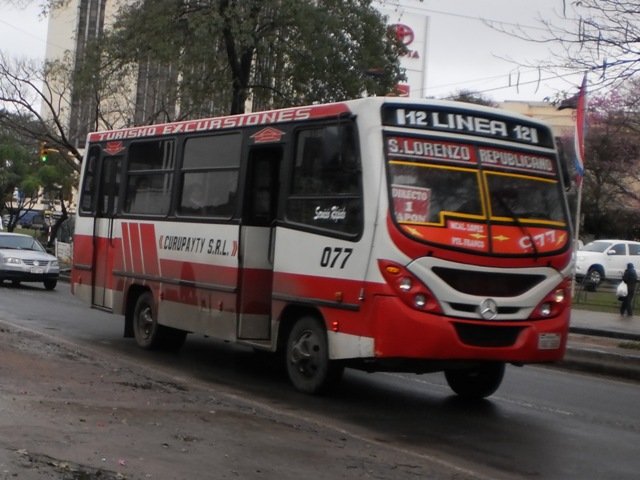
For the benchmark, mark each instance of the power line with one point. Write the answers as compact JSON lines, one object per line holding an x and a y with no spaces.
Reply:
{"x":24,"y":31}
{"x":511,"y":86}
{"x":468,"y":17}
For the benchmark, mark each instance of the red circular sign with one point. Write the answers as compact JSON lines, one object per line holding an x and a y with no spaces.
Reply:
{"x":404,"y":33}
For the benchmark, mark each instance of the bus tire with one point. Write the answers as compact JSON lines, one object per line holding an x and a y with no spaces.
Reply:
{"x":307,"y":356}
{"x":477,"y":382}
{"x":145,"y":323}
{"x":148,"y":333}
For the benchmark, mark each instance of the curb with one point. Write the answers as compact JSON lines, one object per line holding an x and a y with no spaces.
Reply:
{"x":598,"y":332}
{"x":614,"y":362}
{"x":594,"y":360}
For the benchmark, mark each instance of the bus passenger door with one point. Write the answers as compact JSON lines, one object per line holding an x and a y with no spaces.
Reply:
{"x":103,"y":231}
{"x":256,"y":238}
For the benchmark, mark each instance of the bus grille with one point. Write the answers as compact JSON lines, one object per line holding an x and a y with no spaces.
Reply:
{"x":487,"y":336}
{"x":488,"y":284}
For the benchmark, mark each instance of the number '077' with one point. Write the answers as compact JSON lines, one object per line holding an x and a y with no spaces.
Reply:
{"x":335,"y":257}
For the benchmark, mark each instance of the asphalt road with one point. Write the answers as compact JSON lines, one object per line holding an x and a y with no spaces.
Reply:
{"x":542,"y":423}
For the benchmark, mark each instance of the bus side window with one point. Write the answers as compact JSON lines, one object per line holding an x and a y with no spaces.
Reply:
{"x":150,"y":177}
{"x":325,"y":185}
{"x":87,"y":203}
{"x":261,"y":198}
{"x":209,"y":176}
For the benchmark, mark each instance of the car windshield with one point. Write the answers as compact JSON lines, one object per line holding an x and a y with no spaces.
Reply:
{"x":18,"y":242}
{"x":599,"y":246}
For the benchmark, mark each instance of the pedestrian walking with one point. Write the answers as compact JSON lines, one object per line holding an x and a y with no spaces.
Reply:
{"x":630,"y":277}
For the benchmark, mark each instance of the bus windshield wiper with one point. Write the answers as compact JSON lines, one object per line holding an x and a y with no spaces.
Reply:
{"x":516,"y":220}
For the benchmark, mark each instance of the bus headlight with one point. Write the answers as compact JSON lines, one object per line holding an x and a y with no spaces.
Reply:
{"x":555,"y":302}
{"x":405,"y":284}
{"x":408,"y":287}
{"x":545,"y":309}
{"x":558,"y":295}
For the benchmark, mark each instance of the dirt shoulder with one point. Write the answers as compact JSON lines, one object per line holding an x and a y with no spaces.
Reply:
{"x":68,"y":413}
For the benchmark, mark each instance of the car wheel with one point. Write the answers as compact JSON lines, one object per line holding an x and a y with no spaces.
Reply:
{"x":476,"y":383}
{"x":50,"y":284}
{"x":308,"y":365}
{"x":594,"y":278}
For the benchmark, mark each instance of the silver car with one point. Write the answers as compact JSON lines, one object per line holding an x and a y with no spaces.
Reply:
{"x":24,"y":259}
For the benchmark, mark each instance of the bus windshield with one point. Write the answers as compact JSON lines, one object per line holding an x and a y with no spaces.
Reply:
{"x":438,"y":190}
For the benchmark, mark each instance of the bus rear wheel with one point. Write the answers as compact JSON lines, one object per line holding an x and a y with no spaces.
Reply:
{"x":477,"y":382}
{"x":308,"y":365}
{"x":148,"y":333}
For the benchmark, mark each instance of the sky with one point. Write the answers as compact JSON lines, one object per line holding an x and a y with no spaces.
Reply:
{"x":463,"y":52}
{"x":23,"y":31}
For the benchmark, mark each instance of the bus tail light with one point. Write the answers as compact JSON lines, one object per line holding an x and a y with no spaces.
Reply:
{"x":555,"y":302}
{"x":408,"y":287}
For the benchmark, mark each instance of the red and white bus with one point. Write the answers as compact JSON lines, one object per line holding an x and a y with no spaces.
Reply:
{"x":381,"y":233}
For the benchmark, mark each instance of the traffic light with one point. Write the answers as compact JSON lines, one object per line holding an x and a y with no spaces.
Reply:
{"x":43,"y":152}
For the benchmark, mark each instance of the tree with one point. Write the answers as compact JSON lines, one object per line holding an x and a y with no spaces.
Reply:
{"x":600,"y":36}
{"x":34,"y":108}
{"x":17,"y":184}
{"x":215,"y":55}
{"x":34,"y":104}
{"x":611,"y":189}
{"x":25,"y":179}
{"x":469,"y":96}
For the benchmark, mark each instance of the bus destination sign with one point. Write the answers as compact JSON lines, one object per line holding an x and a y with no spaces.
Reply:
{"x":468,"y":122}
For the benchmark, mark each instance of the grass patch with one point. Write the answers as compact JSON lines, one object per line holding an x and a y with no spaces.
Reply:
{"x":630,"y":345}
{"x":602,"y":300}
{"x":599,"y":301}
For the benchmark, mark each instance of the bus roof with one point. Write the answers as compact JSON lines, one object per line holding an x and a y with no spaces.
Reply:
{"x":268,"y":117}
{"x":292,"y":114}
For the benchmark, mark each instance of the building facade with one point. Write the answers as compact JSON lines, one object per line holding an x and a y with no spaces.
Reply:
{"x":71,"y":29}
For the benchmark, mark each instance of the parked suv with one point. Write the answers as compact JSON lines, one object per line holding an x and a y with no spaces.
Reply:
{"x":606,"y":260}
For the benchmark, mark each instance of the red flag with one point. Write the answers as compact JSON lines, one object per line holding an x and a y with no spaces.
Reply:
{"x":581,"y":124}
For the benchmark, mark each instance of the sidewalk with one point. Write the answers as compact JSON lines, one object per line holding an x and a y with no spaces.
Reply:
{"x":599,"y":342}
{"x":605,"y":324}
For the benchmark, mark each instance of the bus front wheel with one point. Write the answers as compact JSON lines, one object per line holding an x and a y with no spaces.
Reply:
{"x":148,"y":333}
{"x":308,"y":365}
{"x":477,"y":382}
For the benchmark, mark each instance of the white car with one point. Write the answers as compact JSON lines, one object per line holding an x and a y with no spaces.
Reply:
{"x":606,"y":260}
{"x":24,"y":259}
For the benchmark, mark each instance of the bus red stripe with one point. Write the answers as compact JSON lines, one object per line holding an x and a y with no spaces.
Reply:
{"x":136,"y":248}
{"x":149,"y":249}
{"x":126,"y":247}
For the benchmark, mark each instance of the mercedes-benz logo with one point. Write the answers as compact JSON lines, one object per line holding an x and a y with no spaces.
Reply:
{"x":488,"y":309}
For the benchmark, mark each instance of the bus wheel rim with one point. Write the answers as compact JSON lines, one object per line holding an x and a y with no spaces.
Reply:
{"x":145,"y":322}
{"x":305,"y":353}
